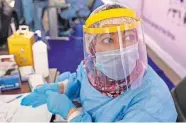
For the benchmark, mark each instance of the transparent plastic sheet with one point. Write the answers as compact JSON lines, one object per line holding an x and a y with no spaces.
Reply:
{"x":115,"y":61}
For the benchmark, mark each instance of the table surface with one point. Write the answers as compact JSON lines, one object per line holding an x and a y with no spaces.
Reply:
{"x":25,"y":86}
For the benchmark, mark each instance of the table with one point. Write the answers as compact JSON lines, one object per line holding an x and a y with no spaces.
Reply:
{"x":25,"y":86}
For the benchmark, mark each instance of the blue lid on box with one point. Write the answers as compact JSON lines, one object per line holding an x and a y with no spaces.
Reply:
{"x":10,"y":82}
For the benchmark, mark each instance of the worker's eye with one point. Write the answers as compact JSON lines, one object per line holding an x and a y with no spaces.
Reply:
{"x":130,"y":38}
{"x":107,"y":40}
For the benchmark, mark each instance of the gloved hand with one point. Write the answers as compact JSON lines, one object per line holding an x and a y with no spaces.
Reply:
{"x":45,"y":87}
{"x":59,"y":103}
{"x":34,"y":99}
{"x":72,"y":86}
{"x":72,"y":89}
{"x":38,"y":97}
{"x":63,"y":76}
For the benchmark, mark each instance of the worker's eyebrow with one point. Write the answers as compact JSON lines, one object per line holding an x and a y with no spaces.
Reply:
{"x":129,"y":32}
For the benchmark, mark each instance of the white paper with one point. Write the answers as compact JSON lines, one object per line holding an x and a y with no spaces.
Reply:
{"x":14,"y":112}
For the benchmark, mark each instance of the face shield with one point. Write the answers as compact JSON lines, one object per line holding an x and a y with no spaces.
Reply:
{"x":115,"y":57}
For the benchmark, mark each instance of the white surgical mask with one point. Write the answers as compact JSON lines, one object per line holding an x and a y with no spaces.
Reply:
{"x":117,"y":64}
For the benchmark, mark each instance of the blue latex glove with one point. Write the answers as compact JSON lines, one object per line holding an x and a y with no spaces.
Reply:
{"x":73,"y":85}
{"x":34,"y":99}
{"x":59,"y":103}
{"x":38,"y":97}
{"x":73,"y":88}
{"x":63,"y":76}
{"x":52,"y":86}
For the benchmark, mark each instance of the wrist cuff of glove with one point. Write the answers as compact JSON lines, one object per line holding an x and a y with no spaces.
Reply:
{"x":55,"y":87}
{"x":65,"y":83}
